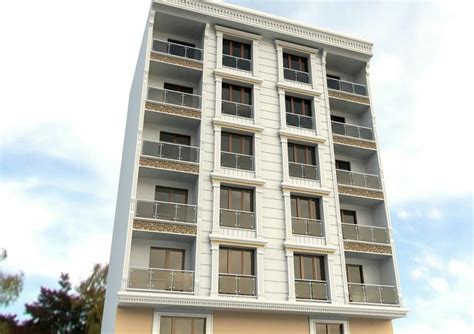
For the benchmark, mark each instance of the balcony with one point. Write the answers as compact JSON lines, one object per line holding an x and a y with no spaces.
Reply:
{"x":365,"y":233}
{"x":237,"y":160}
{"x":156,"y":279}
{"x":303,"y":171}
{"x":237,"y":219}
{"x":373,"y":294}
{"x":299,"y":121}
{"x":242,"y":285}
{"x":166,"y":211}
{"x":171,"y":151}
{"x":237,"y":62}
{"x":175,"y":98}
{"x":295,"y":75}
{"x":351,"y":130}
{"x":181,"y":54}
{"x":359,"y":184}
{"x":307,"y":226}
{"x":311,"y":289}
{"x":347,"y":86}
{"x":237,"y":109}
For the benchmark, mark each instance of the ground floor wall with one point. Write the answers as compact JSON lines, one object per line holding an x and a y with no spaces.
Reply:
{"x":140,"y":320}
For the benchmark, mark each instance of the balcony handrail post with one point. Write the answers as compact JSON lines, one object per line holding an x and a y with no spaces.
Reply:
{"x":150,"y":274}
{"x":372,"y":234}
{"x":176,"y":212}
{"x":180,"y":158}
{"x":155,"y":210}
{"x":237,"y":219}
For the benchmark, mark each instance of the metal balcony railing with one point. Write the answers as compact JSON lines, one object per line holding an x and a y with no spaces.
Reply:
{"x":232,"y":284}
{"x":350,"y":130}
{"x":237,"y":218}
{"x":237,"y":62}
{"x":373,"y":294}
{"x":295,"y":75}
{"x":177,"y":49}
{"x":174,"y":212}
{"x":300,"y":121}
{"x":237,"y":160}
{"x":358,"y":179}
{"x":237,"y":109}
{"x":307,"y":226}
{"x":311,"y":289}
{"x":161,"y":279}
{"x":347,"y":86}
{"x":170,"y":151}
{"x":365,"y":233}
{"x":174,"y":97}
{"x":303,"y":171}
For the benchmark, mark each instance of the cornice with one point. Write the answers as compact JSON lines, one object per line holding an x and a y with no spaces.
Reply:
{"x":306,"y":190}
{"x":209,"y":303}
{"x":223,"y":239}
{"x":300,"y":89}
{"x":236,"y":75}
{"x":302,"y":137}
{"x":320,"y":249}
{"x":237,"y":180}
{"x":269,"y":22}
{"x":297,"y":47}
{"x":237,"y":126}
{"x":237,"y":33}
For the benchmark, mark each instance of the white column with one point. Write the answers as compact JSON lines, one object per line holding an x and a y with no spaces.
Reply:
{"x":214,"y":270}
{"x":258,"y":154}
{"x":321,"y":163}
{"x":284,"y":158}
{"x":312,"y":65}
{"x":216,"y":193}
{"x":331,"y":279}
{"x":327,"y":220}
{"x":259,"y":211}
{"x":219,"y":41}
{"x":217,"y":148}
{"x":218,"y":112}
{"x":256,"y":104}
{"x":291,"y":276}
{"x":281,"y":98}
{"x":288,"y":224}
{"x":280,"y":62}
{"x":255,"y":68}
{"x":260,"y":273}
{"x":317,"y":125}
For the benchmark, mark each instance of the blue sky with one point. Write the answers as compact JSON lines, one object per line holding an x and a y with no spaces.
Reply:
{"x":64,"y":96}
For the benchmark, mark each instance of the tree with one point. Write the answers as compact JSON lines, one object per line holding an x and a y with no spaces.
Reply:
{"x":10,"y":287}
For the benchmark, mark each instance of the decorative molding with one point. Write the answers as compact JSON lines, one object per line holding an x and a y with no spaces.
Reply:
{"x":303,"y":89}
{"x":227,"y":240}
{"x":256,"y":182}
{"x":231,"y":74}
{"x":319,"y":249}
{"x":302,"y":137}
{"x":313,"y":308}
{"x":297,"y":47}
{"x":272,"y":23}
{"x":238,"y":126}
{"x":237,"y":33}
{"x":306,"y":190}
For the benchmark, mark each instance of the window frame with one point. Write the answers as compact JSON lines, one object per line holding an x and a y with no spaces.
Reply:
{"x":308,"y":151}
{"x":338,"y":119}
{"x":168,"y":250}
{"x":157,"y":315}
{"x":289,"y":57}
{"x":230,"y":135}
{"x":317,"y":206}
{"x":178,"y":88}
{"x":352,"y":213}
{"x":171,"y":194}
{"x":314,"y":321}
{"x":228,"y":250}
{"x":175,"y":137}
{"x":339,"y":162}
{"x":361,"y":273}
{"x":322,"y":269}
{"x":306,"y":105}
{"x":231,"y":48}
{"x":175,"y":41}
{"x":243,"y":91}
{"x":241,"y":191}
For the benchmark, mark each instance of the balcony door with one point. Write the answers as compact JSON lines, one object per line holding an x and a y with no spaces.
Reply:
{"x":236,"y":207}
{"x":338,"y":119}
{"x":236,"y":271}
{"x":294,"y":62}
{"x":237,"y":151}
{"x":178,"y":88}
{"x":348,"y":216}
{"x":298,"y":112}
{"x":310,"y":277}
{"x":175,"y":138}
{"x":355,"y":274}
{"x":165,"y":258}
{"x":343,"y":165}
{"x":236,"y":100}
{"x":301,"y":154}
{"x":172,"y":195}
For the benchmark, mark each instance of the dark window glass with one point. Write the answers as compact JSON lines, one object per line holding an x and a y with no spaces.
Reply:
{"x":166,"y":258}
{"x":301,"y":154}
{"x":296,"y":105}
{"x":236,"y":49}
{"x":333,"y":76}
{"x":339,"y":119}
{"x":236,"y":261}
{"x":295,"y":62}
{"x":236,"y":93}
{"x":310,"y":267}
{"x":174,"y":195}
{"x":348,"y":216}
{"x":355,"y":274}
{"x":235,"y":143}
{"x":178,"y":88}
{"x":181,"y":43}
{"x":236,"y":199}
{"x":175,"y":138}
{"x":305,"y":207}
{"x":343,"y":165}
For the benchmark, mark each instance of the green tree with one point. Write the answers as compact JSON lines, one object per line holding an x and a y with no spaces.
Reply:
{"x":10,"y":287}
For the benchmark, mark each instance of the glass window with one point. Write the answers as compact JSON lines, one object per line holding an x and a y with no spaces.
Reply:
{"x":343,"y":165}
{"x":236,"y":93}
{"x":175,"y":138}
{"x":178,"y":88}
{"x":309,"y":267}
{"x":236,"y":261}
{"x":305,"y":207}
{"x":236,"y":199}
{"x":166,"y":258}
{"x":299,"y":106}
{"x":182,"y":325}
{"x":236,"y":49}
{"x":302,"y":154}
{"x":173,"y":195}
{"x":355,"y":274}
{"x":339,"y":119}
{"x":348,"y":216}
{"x":235,"y":143}
{"x":295,"y":62}
{"x":323,"y":328}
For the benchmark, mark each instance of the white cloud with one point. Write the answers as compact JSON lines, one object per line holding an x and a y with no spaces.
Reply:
{"x":417,"y":273}
{"x":438,"y":284}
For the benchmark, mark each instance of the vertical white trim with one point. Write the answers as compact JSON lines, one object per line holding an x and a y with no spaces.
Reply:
{"x":255,"y":65}
{"x":259,"y":211}
{"x":214,"y":270}
{"x":260,"y":254}
{"x":284,"y":158}
{"x":217,"y":147}
{"x":279,"y":49}
{"x":216,"y":197}
{"x":218,"y":81}
{"x":291,"y":276}
{"x":219,"y":41}
{"x":287,"y":206}
{"x":256,"y":104}
{"x":281,"y":98}
{"x":257,"y":154}
{"x":312,"y":70}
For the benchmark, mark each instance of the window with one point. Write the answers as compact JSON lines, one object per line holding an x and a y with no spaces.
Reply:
{"x":236,"y":93}
{"x":173,"y":195}
{"x":325,"y":328}
{"x":235,"y":143}
{"x":298,"y":112}
{"x":301,"y":154}
{"x":348,"y":216}
{"x":236,"y":55}
{"x":236,"y":261}
{"x":175,"y":138}
{"x":309,"y":267}
{"x":331,"y":76}
{"x":164,"y":258}
{"x":178,"y":88}
{"x":305,"y":207}
{"x":295,"y":62}
{"x":182,"y":325}
{"x":355,"y":273}
{"x":174,"y":41}
{"x":236,"y":199}
{"x":339,"y":119}
{"x":343,"y":165}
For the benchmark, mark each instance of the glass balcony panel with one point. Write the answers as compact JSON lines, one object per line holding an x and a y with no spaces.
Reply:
{"x":246,"y":220}
{"x":365,"y":233}
{"x":145,"y":209}
{"x":227,"y":284}
{"x":303,"y":289}
{"x":306,"y":122}
{"x":349,"y":231}
{"x":373,"y":182}
{"x":165,"y":211}
{"x":380,"y":235}
{"x":228,"y":160}
{"x":246,"y":286}
{"x":189,"y":153}
{"x":244,"y":64}
{"x":289,"y":74}
{"x":160,"y":46}
{"x":299,"y":226}
{"x":183,"y":281}
{"x":366,"y":134}
{"x":174,"y":97}
{"x":229,"y":108}
{"x":389,"y":295}
{"x":245,"y":162}
{"x":195,"y":54}
{"x":356,"y":293}
{"x":244,"y":110}
{"x":302,"y":77}
{"x":186,"y":213}
{"x":346,"y":87}
{"x":358,"y":180}
{"x":156,"y":94}
{"x":295,"y":170}
{"x":319,"y":290}
{"x":177,"y":50}
{"x":139,"y":279}
{"x":292,"y":119}
{"x":310,"y":172}
{"x":228,"y":218}
{"x":191,"y":101}
{"x":315,"y":228}
{"x":352,"y":131}
{"x":338,"y":128}
{"x":229,"y":61}
{"x":161,"y":279}
{"x":360,"y":90}
{"x":170,"y":151}
{"x":373,"y":294}
{"x":343,"y":177}
{"x":151,"y":148}
{"x":333,"y":84}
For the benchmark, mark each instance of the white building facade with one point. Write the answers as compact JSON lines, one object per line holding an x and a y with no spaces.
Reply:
{"x":251,"y":195}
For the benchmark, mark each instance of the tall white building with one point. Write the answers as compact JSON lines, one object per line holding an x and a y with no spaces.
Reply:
{"x":251,"y":196}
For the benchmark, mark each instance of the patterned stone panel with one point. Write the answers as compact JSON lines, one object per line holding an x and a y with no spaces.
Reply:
{"x":361,"y":247}
{"x":177,"y":61}
{"x":349,"y":97}
{"x":165,"y":164}
{"x":163,"y":227}
{"x":348,"y":190}
{"x":354,"y":142}
{"x":172,"y":110}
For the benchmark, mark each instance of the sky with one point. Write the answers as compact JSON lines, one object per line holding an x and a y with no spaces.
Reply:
{"x":65,"y":72}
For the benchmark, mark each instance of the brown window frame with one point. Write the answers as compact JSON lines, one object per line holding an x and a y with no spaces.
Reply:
{"x":243,"y":90}
{"x":242,"y":48}
{"x":168,"y":250}
{"x":361,"y":273}
{"x":177,"y":88}
{"x":171,"y":193}
{"x":306,"y":106}
{"x":346,"y":212}
{"x":175,"y":137}
{"x":322,"y":268}
{"x":173,"y":325}
{"x":314,"y":212}
{"x":241,"y":191}
{"x":301,"y":63}
{"x":230,"y":135}
{"x":338,"y":119}
{"x":242,"y":251}
{"x":339,"y":162}
{"x":308,"y":150}
{"x":326,"y":327}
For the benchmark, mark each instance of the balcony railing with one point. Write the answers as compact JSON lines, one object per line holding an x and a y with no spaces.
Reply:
{"x":231,"y":284}
{"x":170,"y":151}
{"x":174,"y":97}
{"x":177,"y":49}
{"x":237,"y":109}
{"x":307,"y":226}
{"x":295,"y":75}
{"x":237,"y":62}
{"x":373,"y":294}
{"x":358,"y":179}
{"x":352,"y":130}
{"x":300,"y":121}
{"x":237,"y":218}
{"x":174,"y":212}
{"x":236,"y":160}
{"x":161,"y":279}
{"x":311,"y":289}
{"x":365,"y":233}
{"x":347,"y":86}
{"x":303,"y":171}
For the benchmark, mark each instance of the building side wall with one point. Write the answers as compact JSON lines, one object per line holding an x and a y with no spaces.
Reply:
{"x":131,"y":320}
{"x":370,"y":326}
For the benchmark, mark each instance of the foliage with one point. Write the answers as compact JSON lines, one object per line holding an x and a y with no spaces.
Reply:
{"x":10,"y":287}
